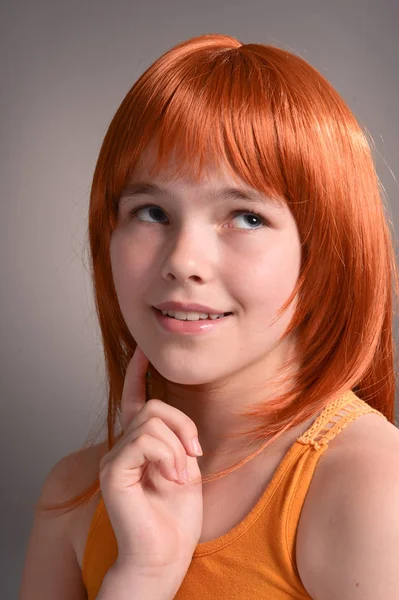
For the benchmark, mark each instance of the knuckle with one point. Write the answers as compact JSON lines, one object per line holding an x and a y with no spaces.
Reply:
{"x":169,"y":455}
{"x":189,"y":424}
{"x":152,"y":405}
{"x":141,"y":439}
{"x":155,"y":422}
{"x":193,"y":428}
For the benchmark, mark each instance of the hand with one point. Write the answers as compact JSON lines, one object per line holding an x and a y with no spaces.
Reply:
{"x":157,"y":521}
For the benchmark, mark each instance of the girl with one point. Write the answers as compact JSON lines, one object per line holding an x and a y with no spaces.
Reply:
{"x":243,"y":273}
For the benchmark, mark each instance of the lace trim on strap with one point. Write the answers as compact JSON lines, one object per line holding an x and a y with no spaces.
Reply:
{"x":331,"y":421}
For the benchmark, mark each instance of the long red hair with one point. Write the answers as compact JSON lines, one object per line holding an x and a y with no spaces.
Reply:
{"x":282,"y":128}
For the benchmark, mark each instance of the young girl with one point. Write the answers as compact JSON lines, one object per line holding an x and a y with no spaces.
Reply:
{"x":244,"y":277}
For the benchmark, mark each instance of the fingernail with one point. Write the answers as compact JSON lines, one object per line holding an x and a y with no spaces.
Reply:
{"x":196,"y":446}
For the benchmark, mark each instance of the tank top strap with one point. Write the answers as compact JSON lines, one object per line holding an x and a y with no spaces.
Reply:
{"x":335,"y":417}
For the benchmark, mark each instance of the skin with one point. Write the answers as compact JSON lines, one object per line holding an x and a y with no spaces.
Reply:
{"x":194,"y":248}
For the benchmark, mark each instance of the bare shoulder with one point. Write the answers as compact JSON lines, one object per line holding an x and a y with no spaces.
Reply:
{"x":78,"y":469}
{"x":82,"y":467}
{"x":348,"y":533}
{"x":50,"y":536}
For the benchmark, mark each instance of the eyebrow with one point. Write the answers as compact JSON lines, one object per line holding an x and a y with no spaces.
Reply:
{"x":151,"y":189}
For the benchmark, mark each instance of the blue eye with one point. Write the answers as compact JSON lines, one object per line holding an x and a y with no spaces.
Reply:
{"x":253,"y":216}
{"x":157,"y":212}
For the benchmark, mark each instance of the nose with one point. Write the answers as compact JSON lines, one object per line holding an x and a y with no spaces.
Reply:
{"x":189,"y":255}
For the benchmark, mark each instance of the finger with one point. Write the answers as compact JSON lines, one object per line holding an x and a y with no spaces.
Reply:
{"x":133,"y":394}
{"x":134,"y":456}
{"x":177,"y":421}
{"x":155,"y":427}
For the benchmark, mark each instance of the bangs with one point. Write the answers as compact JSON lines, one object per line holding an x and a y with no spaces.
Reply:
{"x":270,"y":119}
{"x":205,"y":113}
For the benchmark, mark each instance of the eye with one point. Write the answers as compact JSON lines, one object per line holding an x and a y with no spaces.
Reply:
{"x":155,"y":210}
{"x":156,"y":213}
{"x":253,"y":216}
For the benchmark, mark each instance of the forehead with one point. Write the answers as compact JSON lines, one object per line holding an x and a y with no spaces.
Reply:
{"x":173,"y":178}
{"x":179,"y":172}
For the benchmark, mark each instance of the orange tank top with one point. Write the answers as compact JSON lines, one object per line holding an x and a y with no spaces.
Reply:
{"x":255,"y":559}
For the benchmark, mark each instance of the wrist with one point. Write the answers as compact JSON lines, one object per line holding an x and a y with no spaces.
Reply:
{"x":124,"y":582}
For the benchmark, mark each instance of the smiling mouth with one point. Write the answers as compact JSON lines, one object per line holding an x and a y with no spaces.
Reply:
{"x":193,"y":320}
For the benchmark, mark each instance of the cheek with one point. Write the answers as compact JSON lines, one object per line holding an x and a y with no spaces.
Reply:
{"x":128,"y":267}
{"x":267,"y":280}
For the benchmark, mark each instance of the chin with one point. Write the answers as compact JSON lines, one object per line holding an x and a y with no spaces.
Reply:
{"x":183,"y":376}
{"x":173,"y":369}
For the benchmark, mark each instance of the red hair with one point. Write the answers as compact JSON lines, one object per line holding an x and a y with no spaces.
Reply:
{"x":282,"y":128}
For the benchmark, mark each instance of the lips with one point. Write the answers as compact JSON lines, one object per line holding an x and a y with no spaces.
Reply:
{"x":190,"y":307}
{"x":207,"y":319}
{"x":200,"y":327}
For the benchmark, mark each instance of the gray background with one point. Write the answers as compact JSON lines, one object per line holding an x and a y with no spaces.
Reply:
{"x":65,"y":68}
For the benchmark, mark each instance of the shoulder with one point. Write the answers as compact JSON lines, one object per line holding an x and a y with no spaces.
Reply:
{"x":50,"y":537}
{"x":348,"y":535}
{"x":72,"y":473}
{"x":69,"y":477}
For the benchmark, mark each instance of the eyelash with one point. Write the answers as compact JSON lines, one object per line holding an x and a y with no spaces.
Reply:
{"x":264,"y":221}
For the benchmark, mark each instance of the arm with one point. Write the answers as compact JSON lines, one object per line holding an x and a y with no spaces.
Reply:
{"x":122,"y":583}
{"x":51,"y":569}
{"x":351,"y":551}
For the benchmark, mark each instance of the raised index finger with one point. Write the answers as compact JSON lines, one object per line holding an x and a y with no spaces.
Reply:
{"x":133,"y":394}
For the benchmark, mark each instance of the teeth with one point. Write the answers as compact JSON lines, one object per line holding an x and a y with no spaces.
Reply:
{"x":189,"y":316}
